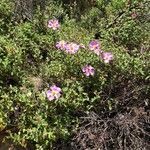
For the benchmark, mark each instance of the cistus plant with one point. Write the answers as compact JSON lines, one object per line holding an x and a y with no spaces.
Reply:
{"x":57,"y":67}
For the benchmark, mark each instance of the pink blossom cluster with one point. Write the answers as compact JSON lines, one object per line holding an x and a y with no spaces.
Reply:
{"x":107,"y":57}
{"x":54,"y":91}
{"x":70,"y":48}
{"x":95,"y":47}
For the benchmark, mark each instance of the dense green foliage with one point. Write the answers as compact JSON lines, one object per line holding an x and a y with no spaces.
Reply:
{"x":30,"y":63}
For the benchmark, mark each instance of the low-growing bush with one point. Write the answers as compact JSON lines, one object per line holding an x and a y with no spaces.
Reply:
{"x":55,"y":69}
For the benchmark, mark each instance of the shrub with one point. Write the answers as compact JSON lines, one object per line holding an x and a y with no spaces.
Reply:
{"x":32,"y":62}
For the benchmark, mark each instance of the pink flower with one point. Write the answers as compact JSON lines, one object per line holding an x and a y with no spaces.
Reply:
{"x":72,"y":48}
{"x":53,"y":93}
{"x":134,"y":15}
{"x":88,"y":70}
{"x":107,"y":57}
{"x":54,"y":24}
{"x":61,"y":45}
{"x":95,"y":46}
